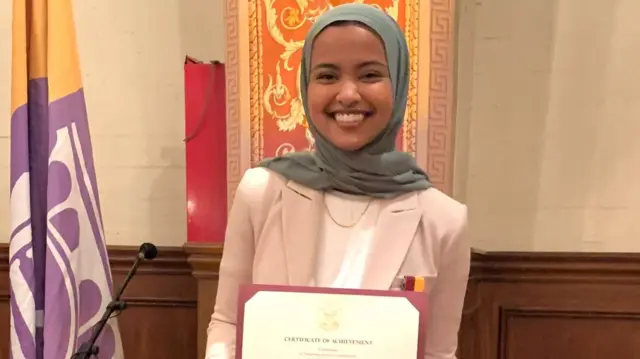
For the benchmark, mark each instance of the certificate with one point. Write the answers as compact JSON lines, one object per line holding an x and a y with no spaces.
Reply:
{"x":286,"y":322}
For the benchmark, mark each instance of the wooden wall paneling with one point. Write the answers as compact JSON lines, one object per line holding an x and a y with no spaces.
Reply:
{"x":468,"y":338}
{"x":205,"y":263}
{"x":556,"y":305}
{"x":518,"y":305}
{"x":161,"y":317}
{"x":5,"y":313}
{"x":528,"y":333}
{"x":160,"y":320}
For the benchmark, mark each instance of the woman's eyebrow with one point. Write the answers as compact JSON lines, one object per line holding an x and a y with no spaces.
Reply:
{"x":372,"y":63}
{"x":330,"y":66}
{"x":325,"y":66}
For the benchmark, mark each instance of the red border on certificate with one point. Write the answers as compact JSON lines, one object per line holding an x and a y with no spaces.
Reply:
{"x":247,"y":291}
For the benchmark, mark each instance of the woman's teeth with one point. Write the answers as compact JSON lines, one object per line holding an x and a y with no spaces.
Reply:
{"x":349,"y":119}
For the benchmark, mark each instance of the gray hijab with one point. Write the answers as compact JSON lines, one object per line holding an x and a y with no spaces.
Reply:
{"x":377,"y":169}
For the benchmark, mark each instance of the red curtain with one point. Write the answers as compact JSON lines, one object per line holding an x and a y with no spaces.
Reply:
{"x":206,"y":151}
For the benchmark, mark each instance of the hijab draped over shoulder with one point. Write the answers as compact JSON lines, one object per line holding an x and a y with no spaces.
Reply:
{"x":377,"y":169}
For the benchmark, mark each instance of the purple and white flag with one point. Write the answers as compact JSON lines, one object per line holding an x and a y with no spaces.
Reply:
{"x":59,"y":267}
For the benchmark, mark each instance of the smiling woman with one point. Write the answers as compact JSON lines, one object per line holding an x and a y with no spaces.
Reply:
{"x":265,"y":116}
{"x":355,"y":144}
{"x":354,"y":212}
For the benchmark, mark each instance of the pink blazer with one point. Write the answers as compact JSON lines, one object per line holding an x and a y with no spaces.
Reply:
{"x":270,"y":239}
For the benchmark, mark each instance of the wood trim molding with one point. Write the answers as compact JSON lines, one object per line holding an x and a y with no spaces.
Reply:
{"x":170,"y":260}
{"x":204,"y":259}
{"x":556,"y":267}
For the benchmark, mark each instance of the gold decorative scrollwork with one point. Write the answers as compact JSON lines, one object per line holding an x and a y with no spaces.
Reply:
{"x":276,"y":34}
{"x":291,"y":19}
{"x":284,"y":148}
{"x":276,"y":94}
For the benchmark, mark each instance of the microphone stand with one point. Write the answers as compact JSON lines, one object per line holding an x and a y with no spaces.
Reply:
{"x":89,"y":348}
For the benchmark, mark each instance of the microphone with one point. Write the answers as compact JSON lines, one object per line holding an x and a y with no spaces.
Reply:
{"x":147,"y":251}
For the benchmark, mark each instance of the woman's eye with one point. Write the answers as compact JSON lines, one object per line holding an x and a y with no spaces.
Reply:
{"x":371,"y":76}
{"x":325,"y":77}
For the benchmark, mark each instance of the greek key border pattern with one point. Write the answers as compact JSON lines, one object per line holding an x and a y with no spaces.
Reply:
{"x":441,"y":126}
{"x":232,"y":67}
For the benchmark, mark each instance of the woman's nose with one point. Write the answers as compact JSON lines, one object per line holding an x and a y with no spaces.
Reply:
{"x":348,"y":95}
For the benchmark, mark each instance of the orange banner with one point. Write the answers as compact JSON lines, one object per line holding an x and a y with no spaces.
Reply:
{"x":277,"y":30}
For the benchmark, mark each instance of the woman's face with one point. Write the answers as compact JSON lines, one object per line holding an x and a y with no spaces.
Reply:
{"x":350,"y":97}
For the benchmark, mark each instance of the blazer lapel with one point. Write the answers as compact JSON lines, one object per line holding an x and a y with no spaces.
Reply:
{"x":395,"y":231}
{"x":300,"y":222}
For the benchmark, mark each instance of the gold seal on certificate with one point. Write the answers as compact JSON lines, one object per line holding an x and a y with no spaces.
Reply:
{"x":329,"y":315}
{"x":284,"y":322}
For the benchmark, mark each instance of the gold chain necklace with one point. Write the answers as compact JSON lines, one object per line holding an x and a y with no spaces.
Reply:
{"x":324,"y":200}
